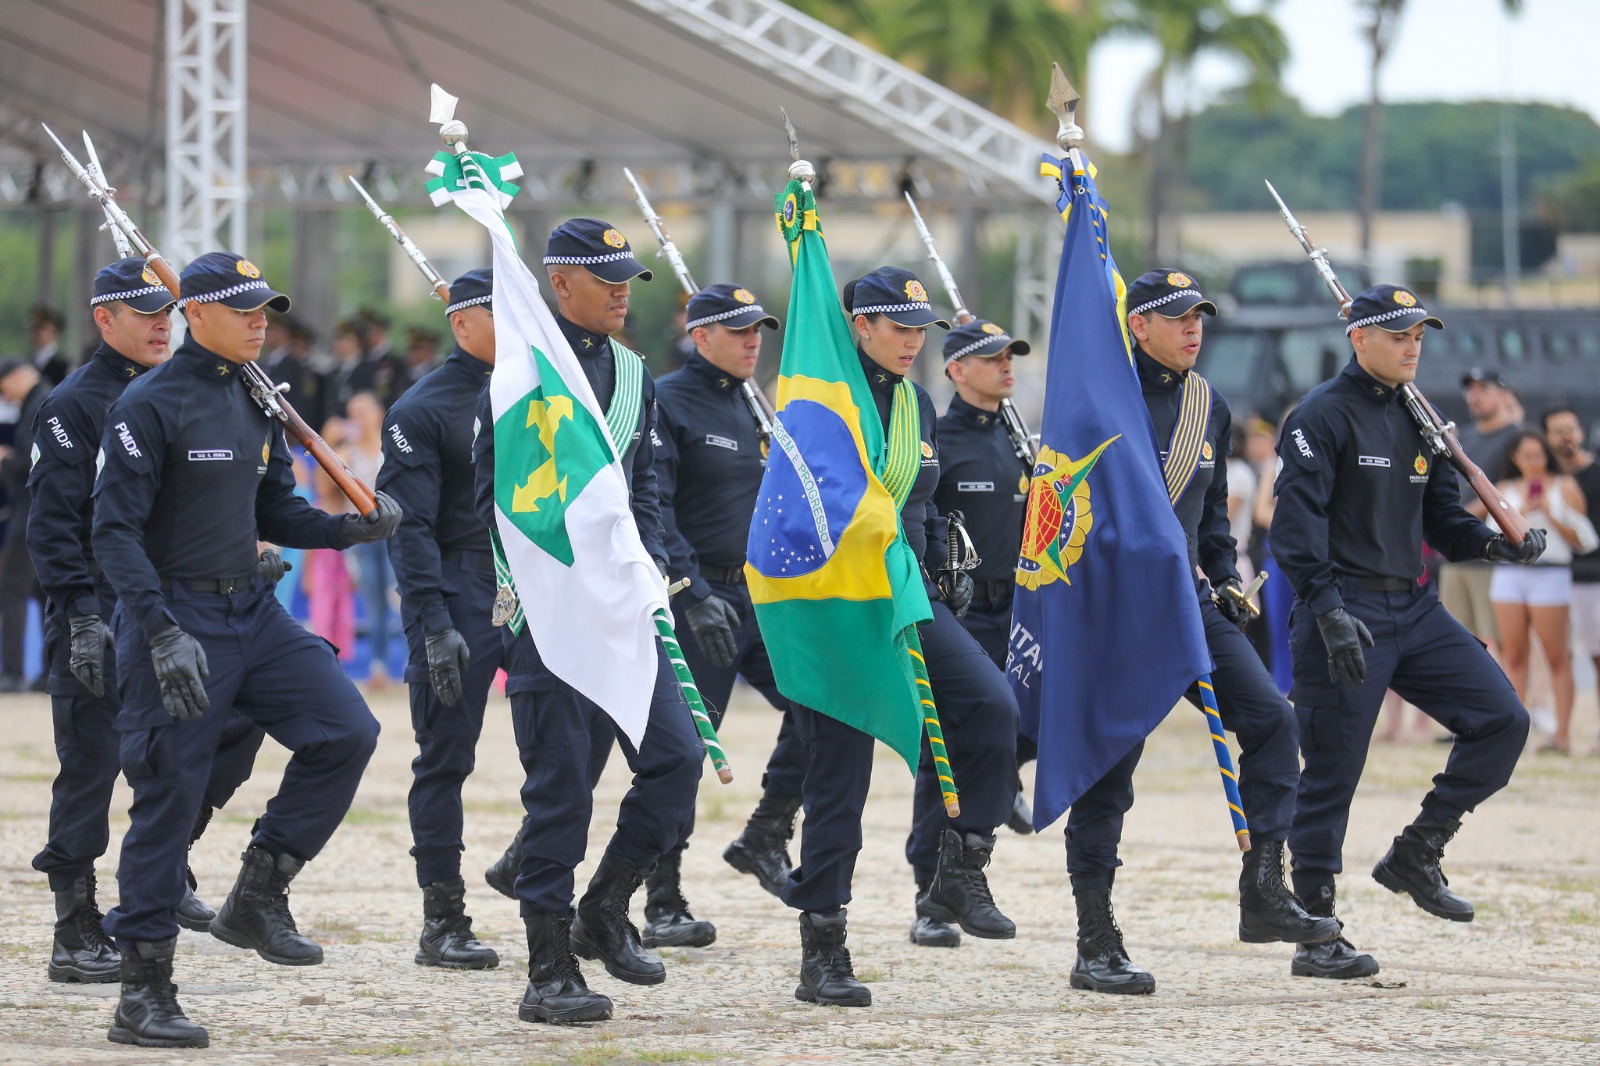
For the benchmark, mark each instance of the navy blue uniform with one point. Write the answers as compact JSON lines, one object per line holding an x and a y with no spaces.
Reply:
{"x":194,"y":474}
{"x":445,"y":570}
{"x":67,"y":433}
{"x":1247,"y":698}
{"x":709,"y":464}
{"x":563,"y":737}
{"x":977,"y":711}
{"x":1358,"y":493}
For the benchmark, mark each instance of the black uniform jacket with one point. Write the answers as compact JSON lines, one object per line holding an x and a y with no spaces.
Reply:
{"x":638,"y":459}
{"x":193,"y":474}
{"x":1203,"y":507}
{"x":981,"y":476}
{"x":1358,"y":490}
{"x":427,"y":468}
{"x":708,"y":471}
{"x":67,"y":435}
{"x":919,"y":515}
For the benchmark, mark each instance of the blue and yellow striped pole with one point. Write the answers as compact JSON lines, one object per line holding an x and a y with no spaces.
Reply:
{"x":1230,"y":781}
{"x":930,"y":725}
{"x":691,"y":696}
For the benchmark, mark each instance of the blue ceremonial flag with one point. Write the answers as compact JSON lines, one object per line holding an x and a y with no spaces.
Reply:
{"x":1106,"y":632}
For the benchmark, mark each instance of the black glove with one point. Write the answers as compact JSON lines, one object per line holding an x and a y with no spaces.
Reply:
{"x":380,"y":525}
{"x":1501,"y":550}
{"x":661,"y":565}
{"x":1230,"y":601}
{"x":448,"y":659}
{"x":181,"y":669}
{"x":271,"y":567}
{"x":87,"y":654}
{"x":712,"y":621}
{"x":956,"y":587}
{"x":1344,"y":634}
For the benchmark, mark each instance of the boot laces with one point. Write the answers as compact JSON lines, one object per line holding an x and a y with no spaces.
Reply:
{"x":978,"y":885}
{"x":615,"y":908}
{"x":836,"y":959}
{"x":279,"y":902}
{"x":565,"y":964}
{"x":1106,"y":934}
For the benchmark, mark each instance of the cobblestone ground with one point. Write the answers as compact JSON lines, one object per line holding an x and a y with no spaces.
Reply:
{"x":1518,"y":985}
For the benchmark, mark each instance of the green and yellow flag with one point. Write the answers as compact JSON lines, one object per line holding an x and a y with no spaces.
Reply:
{"x":837,"y":591}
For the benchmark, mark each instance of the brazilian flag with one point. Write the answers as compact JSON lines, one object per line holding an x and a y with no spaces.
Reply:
{"x":836,"y":587}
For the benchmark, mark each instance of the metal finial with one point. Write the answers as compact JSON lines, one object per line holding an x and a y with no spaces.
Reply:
{"x":1063,"y":102}
{"x":799,"y":169}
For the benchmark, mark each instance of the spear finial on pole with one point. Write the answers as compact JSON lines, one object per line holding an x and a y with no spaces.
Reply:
{"x":1063,"y":103}
{"x":799,"y":169}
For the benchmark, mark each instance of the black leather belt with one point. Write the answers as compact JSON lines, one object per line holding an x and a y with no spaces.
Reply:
{"x":221,"y":585}
{"x":992,"y":590}
{"x":468,"y":559}
{"x":718,"y":576}
{"x":1384,"y":584}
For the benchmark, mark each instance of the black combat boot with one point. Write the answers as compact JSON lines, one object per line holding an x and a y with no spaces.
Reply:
{"x":447,"y":938}
{"x":1335,"y":959}
{"x":1412,"y":866}
{"x":960,"y":891}
{"x":826,"y":976}
{"x":147,"y":1012}
{"x":602,"y":929}
{"x":929,"y":932}
{"x":81,"y":951}
{"x":762,"y":850}
{"x":1103,"y":964}
{"x":556,"y":992}
{"x":1021,"y":818}
{"x":256,"y":913}
{"x":193,"y":912}
{"x":502,"y":876}
{"x":667,"y":921}
{"x":1268,"y":911}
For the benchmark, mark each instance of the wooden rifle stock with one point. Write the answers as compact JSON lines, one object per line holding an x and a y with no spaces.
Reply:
{"x":1438,"y":434}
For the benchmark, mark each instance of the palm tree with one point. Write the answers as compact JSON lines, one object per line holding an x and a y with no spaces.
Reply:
{"x":1185,"y":31}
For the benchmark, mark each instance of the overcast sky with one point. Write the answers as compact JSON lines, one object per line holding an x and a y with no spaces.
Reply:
{"x":1445,"y":50}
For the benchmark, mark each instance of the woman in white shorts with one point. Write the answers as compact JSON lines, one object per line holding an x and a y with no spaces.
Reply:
{"x":1535,"y":598}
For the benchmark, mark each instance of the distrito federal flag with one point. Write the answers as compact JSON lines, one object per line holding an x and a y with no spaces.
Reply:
{"x":1106,"y":633}
{"x":586,"y":585}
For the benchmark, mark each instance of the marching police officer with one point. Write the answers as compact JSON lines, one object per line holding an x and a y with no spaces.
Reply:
{"x":194,"y":473}
{"x":982,"y":476}
{"x":131,"y":309}
{"x":1358,"y":492}
{"x":445,"y":570}
{"x":890,"y":316}
{"x":1193,"y":435}
{"x":709,"y":462}
{"x":564,"y":737}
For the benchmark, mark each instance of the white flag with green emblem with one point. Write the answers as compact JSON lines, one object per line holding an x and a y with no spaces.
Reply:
{"x":587,"y":587}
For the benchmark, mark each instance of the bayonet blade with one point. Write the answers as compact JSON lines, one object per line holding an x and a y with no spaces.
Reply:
{"x":364,"y":194}
{"x":94,"y":160}
{"x":72,"y":162}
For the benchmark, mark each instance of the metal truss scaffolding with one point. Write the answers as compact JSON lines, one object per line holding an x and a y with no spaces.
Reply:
{"x":207,"y":187}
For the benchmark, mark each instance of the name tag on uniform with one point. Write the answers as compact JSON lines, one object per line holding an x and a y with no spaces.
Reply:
{"x":974,"y":486}
{"x":1373,"y":460}
{"x":210,"y":455}
{"x":722,"y":442}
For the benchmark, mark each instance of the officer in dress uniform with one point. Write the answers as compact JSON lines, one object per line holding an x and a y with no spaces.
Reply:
{"x":980,"y":475}
{"x":890,"y":318}
{"x":709,"y":462}
{"x":562,"y":736}
{"x":1192,"y":424}
{"x":1358,"y":492}
{"x":131,"y":309}
{"x":193,"y":474}
{"x":445,"y":569}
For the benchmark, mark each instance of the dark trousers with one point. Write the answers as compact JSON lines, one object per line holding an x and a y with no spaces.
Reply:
{"x":1430,"y":660}
{"x":786,"y":767}
{"x":988,"y":619}
{"x":447,"y":737}
{"x":268,"y":668}
{"x":979,"y":717}
{"x":838,"y":774}
{"x":564,"y":738}
{"x":18,"y":585}
{"x":1269,"y":761}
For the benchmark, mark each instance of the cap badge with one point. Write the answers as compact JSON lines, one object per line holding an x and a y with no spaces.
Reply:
{"x":247,"y":268}
{"x":992,"y":329}
{"x":614,"y":238}
{"x":148,"y":276}
{"x":1179,"y":280}
{"x":915,"y":292}
{"x":1404,"y":298}
{"x":1419,"y":464}
{"x":744,"y":296}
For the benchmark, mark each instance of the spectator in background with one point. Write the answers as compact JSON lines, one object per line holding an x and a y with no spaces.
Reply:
{"x":1565,"y":433}
{"x":1535,"y":598}
{"x":328,"y":586}
{"x":676,"y":342}
{"x":422,"y":354}
{"x":44,"y":340}
{"x":383,"y":371}
{"x":1242,"y":482}
{"x":22,"y":385}
{"x":347,"y":375}
{"x":1464,"y":587}
{"x":374,"y":575}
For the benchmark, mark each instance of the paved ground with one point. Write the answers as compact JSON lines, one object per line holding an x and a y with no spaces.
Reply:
{"x":1518,"y":985}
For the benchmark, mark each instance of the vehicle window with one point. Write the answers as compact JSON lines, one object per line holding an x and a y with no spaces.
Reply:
{"x":1268,"y":285}
{"x":1310,"y":356}
{"x":1513,"y":348}
{"x":1570,"y":345}
{"x":1228,"y":360}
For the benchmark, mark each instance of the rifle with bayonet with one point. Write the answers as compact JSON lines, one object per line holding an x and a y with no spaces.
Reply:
{"x":441,"y":289}
{"x":268,"y":396}
{"x":761,"y":408}
{"x":1025,"y":443}
{"x":1439,"y":434}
